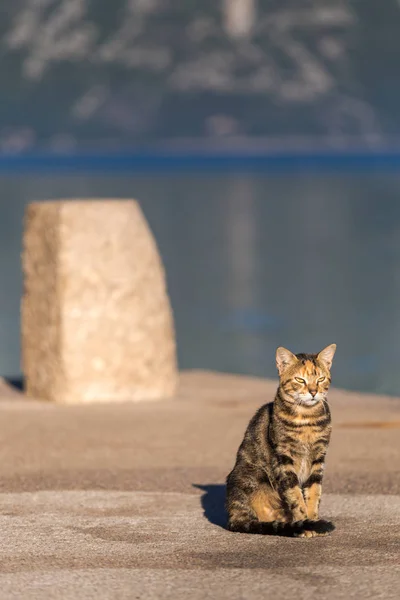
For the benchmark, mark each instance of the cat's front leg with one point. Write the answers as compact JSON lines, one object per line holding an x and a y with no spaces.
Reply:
{"x":297,"y":509}
{"x":312,"y":495}
{"x":291,"y":495}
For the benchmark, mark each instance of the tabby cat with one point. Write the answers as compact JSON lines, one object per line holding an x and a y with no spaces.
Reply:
{"x":275,"y":485}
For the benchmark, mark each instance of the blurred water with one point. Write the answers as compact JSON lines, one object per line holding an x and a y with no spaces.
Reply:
{"x":253,"y":262}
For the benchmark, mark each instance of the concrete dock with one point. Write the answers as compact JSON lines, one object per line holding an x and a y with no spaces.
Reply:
{"x":126,"y":500}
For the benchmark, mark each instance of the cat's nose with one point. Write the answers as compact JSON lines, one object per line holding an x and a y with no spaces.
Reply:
{"x":312,"y":392}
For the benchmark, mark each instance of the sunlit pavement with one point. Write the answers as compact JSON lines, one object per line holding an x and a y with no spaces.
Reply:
{"x":126,"y":501}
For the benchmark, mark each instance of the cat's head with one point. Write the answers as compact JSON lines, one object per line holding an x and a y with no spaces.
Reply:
{"x":304,"y":378}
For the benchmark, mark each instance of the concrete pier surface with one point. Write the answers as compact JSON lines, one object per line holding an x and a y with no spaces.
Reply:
{"x":126,"y":500}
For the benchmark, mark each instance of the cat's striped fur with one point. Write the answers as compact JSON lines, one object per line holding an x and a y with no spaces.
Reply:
{"x":275,"y":485}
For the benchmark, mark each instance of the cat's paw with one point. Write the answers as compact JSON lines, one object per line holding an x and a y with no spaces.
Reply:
{"x":298,"y":530}
{"x":306,"y":534}
{"x":319,"y":526}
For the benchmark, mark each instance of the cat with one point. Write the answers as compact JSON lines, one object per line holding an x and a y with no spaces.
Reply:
{"x":275,"y":485}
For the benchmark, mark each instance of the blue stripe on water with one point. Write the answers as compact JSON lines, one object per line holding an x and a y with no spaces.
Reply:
{"x":195,"y":161}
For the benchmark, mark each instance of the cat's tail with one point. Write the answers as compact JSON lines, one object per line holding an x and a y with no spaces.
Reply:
{"x":319,"y":527}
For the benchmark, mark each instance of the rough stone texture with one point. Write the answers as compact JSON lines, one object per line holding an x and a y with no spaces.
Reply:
{"x":96,"y":319}
{"x":116,"y":501}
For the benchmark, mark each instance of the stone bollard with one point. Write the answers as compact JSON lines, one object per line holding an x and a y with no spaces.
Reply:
{"x":96,"y":319}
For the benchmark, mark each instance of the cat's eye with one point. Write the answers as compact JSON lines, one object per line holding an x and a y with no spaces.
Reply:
{"x":320,"y":379}
{"x":300,"y":380}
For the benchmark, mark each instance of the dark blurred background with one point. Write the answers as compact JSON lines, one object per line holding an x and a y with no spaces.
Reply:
{"x":261,"y":138}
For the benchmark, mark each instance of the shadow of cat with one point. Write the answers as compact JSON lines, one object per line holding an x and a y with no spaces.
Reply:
{"x":213,"y":503}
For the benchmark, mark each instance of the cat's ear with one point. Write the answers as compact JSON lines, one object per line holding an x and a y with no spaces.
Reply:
{"x":284,"y":359}
{"x":326,"y":355}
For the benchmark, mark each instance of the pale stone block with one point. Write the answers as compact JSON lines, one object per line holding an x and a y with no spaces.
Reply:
{"x":96,"y":319}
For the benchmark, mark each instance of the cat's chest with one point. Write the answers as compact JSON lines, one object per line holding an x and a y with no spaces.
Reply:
{"x":303,"y":455}
{"x":303,"y":466}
